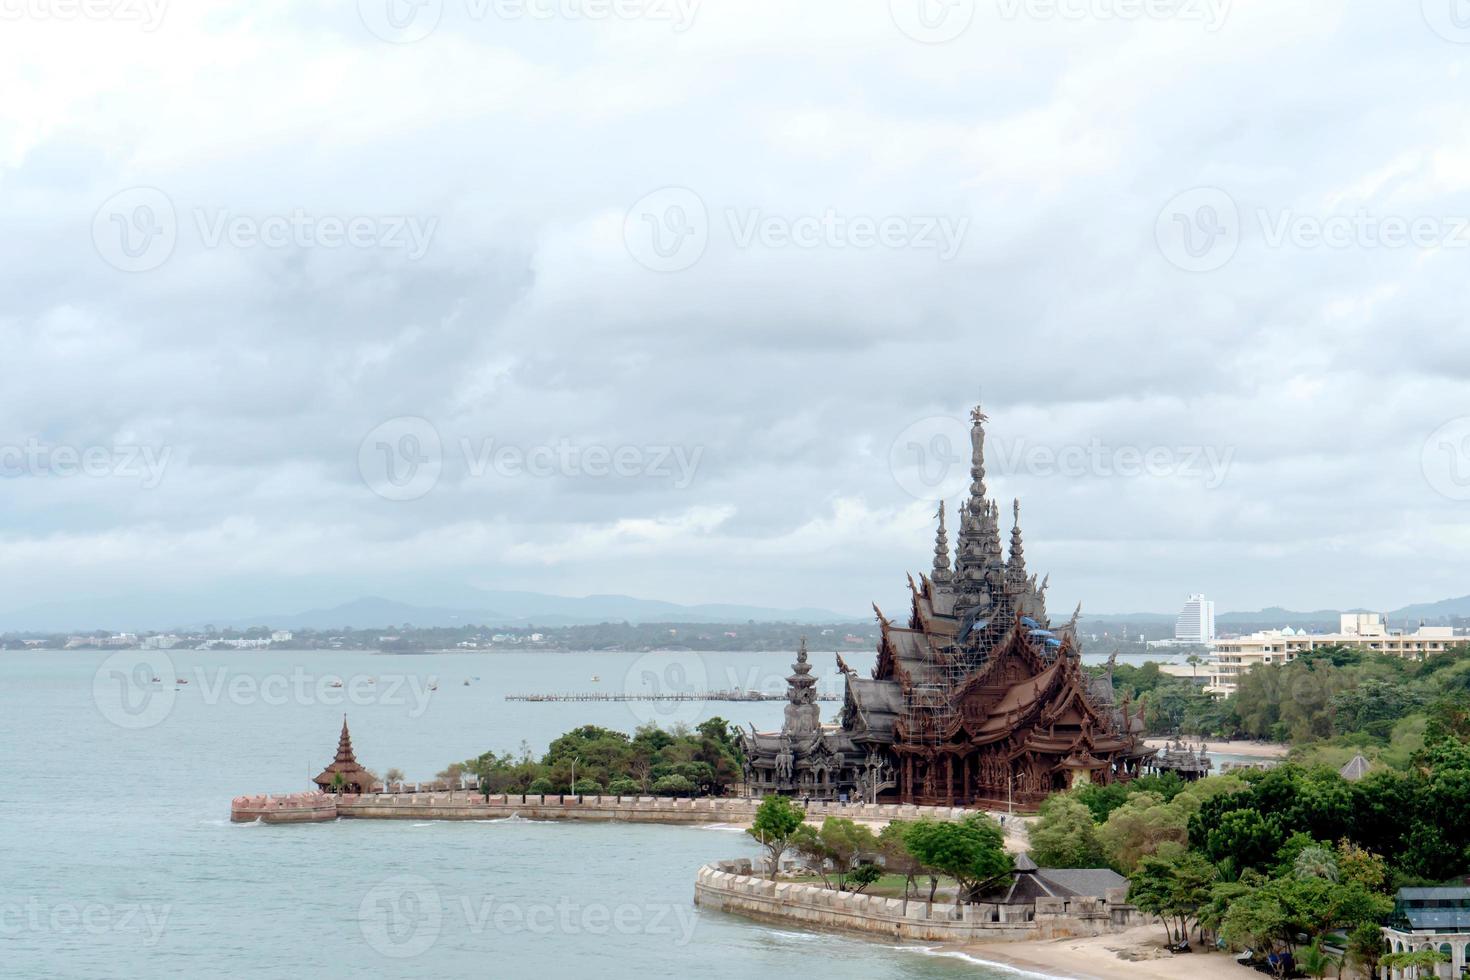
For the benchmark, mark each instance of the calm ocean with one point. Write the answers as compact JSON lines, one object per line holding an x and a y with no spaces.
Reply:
{"x":119,"y":858}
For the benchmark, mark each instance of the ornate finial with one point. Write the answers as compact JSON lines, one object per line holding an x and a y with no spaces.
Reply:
{"x":941,"y":573}
{"x":1016,"y":567}
{"x":978,"y":493}
{"x":801,"y":652}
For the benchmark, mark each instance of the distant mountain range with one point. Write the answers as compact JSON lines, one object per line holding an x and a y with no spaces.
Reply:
{"x":519,"y":609}
{"x":538,"y":609}
{"x":471,"y":607}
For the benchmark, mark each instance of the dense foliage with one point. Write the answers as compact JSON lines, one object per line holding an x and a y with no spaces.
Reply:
{"x":1278,"y":860}
{"x":680,"y":762}
{"x":848,"y":856}
{"x":1331,"y":702}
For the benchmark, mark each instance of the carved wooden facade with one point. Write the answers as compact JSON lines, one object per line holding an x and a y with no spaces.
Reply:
{"x":978,"y":700}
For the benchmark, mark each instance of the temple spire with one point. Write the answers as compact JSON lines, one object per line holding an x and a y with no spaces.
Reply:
{"x":344,"y":744}
{"x":941,"y":575}
{"x":972,"y":552}
{"x":1016,"y":567}
{"x":803,"y":717}
{"x":978,"y":493}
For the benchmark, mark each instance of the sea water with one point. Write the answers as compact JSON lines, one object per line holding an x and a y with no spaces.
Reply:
{"x":118,"y":858}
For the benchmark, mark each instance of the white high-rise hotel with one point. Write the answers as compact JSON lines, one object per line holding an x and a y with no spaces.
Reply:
{"x":1196,"y":624}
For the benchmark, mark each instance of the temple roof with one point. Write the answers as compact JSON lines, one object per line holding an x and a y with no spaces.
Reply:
{"x":345,"y":763}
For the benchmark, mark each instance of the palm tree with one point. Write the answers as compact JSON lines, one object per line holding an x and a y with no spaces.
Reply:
{"x":1316,"y":862}
{"x":1316,"y":961}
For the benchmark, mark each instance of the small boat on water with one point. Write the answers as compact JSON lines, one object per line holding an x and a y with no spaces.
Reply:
{"x":596,"y":679}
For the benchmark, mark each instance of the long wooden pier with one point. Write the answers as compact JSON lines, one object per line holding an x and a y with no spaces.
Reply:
{"x":661,"y":696}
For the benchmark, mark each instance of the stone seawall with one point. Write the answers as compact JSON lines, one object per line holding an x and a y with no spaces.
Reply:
{"x":303,"y":807}
{"x":729,"y":887}
{"x":285,"y":808}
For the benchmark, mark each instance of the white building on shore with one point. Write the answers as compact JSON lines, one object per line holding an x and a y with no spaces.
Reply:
{"x":1238,"y":655}
{"x":1196,"y":624}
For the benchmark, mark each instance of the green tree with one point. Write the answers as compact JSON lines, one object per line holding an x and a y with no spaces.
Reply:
{"x":1275,"y":914}
{"x":863,"y":875}
{"x":898,"y":860}
{"x":848,"y":846}
{"x":673,"y":785}
{"x":971,"y":851}
{"x":1143,"y":826}
{"x":1355,"y":863}
{"x":776,"y":820}
{"x":1223,"y":895}
{"x":812,"y":852}
{"x":1064,"y":835}
{"x":1365,"y":947}
{"x":1173,"y":888}
{"x":1244,"y":836}
{"x":1102,"y":799}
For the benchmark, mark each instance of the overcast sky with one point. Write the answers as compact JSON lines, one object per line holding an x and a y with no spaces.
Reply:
{"x":688,"y":300}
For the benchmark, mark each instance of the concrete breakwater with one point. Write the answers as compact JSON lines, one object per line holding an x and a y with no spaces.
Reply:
{"x":730,"y":887}
{"x":317,"y":807}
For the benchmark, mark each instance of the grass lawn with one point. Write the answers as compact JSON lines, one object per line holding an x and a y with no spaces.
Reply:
{"x":889,"y":886}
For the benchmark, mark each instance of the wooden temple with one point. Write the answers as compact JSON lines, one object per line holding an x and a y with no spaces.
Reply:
{"x":977,"y":700}
{"x":344,"y":775}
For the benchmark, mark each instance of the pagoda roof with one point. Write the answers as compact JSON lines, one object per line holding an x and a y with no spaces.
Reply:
{"x":1356,"y":768}
{"x":345,"y":763}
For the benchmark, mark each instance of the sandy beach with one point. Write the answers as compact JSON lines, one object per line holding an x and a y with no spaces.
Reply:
{"x":1260,"y":750}
{"x":1129,"y":955}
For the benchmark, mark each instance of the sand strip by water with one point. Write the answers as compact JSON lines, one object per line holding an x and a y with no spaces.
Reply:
{"x":1135,"y":954}
{"x":1261,"y":750}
